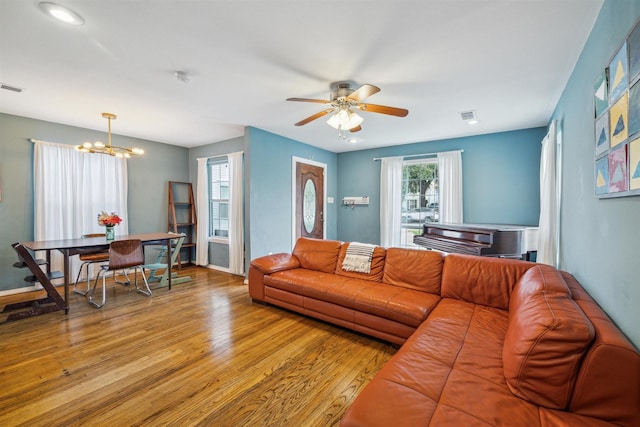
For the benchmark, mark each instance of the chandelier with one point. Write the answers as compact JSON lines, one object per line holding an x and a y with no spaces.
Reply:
{"x":111,"y":150}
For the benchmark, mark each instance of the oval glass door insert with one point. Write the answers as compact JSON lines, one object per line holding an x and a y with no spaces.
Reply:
{"x":309,"y":206}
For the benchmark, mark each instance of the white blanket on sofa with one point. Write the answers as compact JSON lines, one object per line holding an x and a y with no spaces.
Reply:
{"x":358,"y":257}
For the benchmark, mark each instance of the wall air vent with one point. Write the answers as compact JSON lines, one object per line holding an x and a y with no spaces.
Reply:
{"x":11,"y":88}
{"x":468,"y":115}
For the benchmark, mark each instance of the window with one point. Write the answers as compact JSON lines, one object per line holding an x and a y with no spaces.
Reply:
{"x":218,"y":197}
{"x":420,"y":197}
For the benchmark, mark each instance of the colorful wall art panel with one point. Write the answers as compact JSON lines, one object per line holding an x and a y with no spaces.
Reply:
{"x":602,"y":134}
{"x":618,"y":170}
{"x":634,"y":109}
{"x":618,"y":74}
{"x":616,"y":107}
{"x":634,"y":165}
{"x":618,"y":116}
{"x":602,"y":175}
{"x":634,"y":53}
{"x":601,"y":96}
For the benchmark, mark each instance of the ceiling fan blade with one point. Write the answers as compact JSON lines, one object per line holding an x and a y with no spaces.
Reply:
{"x":383,"y":109}
{"x":363,"y":91}
{"x":315,"y":116}
{"x":355,"y":129}
{"x":320,"y":101}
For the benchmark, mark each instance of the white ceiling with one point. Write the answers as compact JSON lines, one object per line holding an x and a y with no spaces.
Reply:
{"x":506,"y":59}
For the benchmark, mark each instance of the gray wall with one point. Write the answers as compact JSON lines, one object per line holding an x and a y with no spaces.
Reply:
{"x":147,"y":191}
{"x":599,"y":238}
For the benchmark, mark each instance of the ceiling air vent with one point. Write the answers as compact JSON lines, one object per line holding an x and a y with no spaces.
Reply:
{"x":11,"y":88}
{"x":468,"y":115}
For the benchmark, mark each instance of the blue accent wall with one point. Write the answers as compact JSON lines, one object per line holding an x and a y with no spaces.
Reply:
{"x":599,"y":239}
{"x":269,"y":190}
{"x":500,"y":180}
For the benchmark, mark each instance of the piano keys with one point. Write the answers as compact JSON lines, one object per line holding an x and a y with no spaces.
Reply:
{"x":496,"y":240}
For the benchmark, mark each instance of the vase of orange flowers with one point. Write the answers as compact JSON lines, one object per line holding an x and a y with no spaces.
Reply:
{"x":109,"y":221}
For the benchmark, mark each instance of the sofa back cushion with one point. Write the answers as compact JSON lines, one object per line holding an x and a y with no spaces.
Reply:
{"x":481,"y":280}
{"x":316,"y":254}
{"x":414,"y":269}
{"x":546,"y":339}
{"x":376,"y":268}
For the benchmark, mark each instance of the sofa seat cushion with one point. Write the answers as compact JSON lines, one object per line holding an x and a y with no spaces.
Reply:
{"x":547,"y":338}
{"x":406,"y":306}
{"x":449,"y":372}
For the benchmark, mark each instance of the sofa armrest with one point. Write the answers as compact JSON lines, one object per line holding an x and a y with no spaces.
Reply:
{"x":277,"y":262}
{"x":267,"y":265}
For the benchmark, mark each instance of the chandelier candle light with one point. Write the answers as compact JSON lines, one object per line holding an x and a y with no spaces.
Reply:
{"x":112,"y":150}
{"x":109,"y":221}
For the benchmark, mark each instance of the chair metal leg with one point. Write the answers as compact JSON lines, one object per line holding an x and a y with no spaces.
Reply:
{"x":126,"y":281}
{"x":146,"y":292}
{"x":104,"y":290}
{"x":75,"y":285}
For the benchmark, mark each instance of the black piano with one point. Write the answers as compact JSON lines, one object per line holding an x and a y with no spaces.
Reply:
{"x":496,"y":240}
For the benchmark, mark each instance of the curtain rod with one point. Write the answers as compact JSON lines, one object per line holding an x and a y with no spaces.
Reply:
{"x":418,"y":155}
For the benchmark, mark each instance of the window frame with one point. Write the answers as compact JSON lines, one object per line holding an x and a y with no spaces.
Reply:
{"x":211,"y":163}
{"x":407,"y":227}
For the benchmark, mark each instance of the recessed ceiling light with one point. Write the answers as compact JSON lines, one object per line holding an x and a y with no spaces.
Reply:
{"x":352,"y":140}
{"x":60,"y":13}
{"x":183,"y":76}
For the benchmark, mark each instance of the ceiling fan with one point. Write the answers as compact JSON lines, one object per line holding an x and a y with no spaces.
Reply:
{"x":343,"y":100}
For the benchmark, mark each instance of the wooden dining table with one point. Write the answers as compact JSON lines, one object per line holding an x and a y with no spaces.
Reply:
{"x":69,"y":247}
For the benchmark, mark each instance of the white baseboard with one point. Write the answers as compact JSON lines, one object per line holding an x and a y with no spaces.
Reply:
{"x":20,"y":290}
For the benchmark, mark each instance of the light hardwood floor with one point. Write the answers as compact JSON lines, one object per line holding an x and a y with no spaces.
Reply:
{"x":200,"y":354}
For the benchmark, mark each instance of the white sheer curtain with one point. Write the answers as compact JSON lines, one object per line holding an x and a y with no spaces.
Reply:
{"x":202,"y":204}
{"x":450,"y":182}
{"x":236,"y":217}
{"x":71,"y":188}
{"x":548,"y":224}
{"x":390,"y":201}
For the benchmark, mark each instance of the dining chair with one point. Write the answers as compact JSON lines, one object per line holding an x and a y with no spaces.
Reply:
{"x":88,"y":257}
{"x":123,"y":254}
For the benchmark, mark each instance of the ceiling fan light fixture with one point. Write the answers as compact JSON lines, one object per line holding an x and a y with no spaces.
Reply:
{"x":344,"y":119}
{"x":60,"y":13}
{"x":111,"y":150}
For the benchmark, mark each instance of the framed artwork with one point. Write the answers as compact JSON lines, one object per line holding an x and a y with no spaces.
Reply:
{"x":634,"y":164}
{"x":602,"y":175}
{"x":618,"y":170}
{"x":616,"y":106}
{"x":619,"y":74}
{"x":618,"y":120}
{"x":634,"y":53}
{"x":601,"y":94}
{"x":602,"y":134}
{"x":634,"y":109}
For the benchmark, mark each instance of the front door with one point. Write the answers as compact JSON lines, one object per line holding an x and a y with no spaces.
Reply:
{"x":309,"y":201}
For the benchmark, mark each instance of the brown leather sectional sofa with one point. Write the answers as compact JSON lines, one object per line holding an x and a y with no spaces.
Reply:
{"x":485,"y":341}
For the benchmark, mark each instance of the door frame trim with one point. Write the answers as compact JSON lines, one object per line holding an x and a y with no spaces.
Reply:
{"x":294,"y":162}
